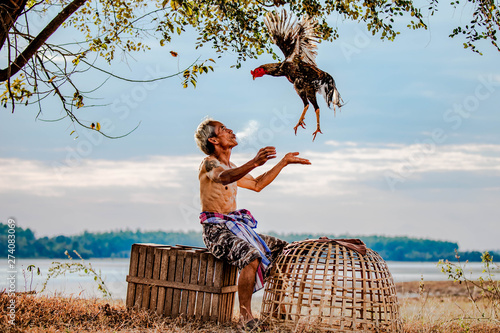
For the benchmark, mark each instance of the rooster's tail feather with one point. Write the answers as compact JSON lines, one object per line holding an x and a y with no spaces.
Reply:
{"x":329,"y":91}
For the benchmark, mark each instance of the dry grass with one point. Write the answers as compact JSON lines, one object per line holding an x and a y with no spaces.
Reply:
{"x":446,"y":314}
{"x":453,"y":312}
{"x":445,"y":306}
{"x":58,"y":314}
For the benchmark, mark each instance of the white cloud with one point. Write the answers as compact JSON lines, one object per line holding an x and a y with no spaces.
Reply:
{"x":348,"y":163}
{"x":250,"y":129}
{"x":338,"y":143}
{"x":40,"y":178}
{"x":344,"y":190}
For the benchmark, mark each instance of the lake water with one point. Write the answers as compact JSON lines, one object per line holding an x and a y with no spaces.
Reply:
{"x":114,"y":272}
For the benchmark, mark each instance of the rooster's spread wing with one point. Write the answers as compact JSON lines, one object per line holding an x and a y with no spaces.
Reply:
{"x":292,"y":37}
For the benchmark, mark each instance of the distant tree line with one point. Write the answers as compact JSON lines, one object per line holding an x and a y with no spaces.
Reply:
{"x":117,"y":244}
{"x":402,"y":248}
{"x":113,"y":244}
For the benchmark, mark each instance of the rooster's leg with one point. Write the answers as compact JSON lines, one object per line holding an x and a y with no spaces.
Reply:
{"x":301,"y":120}
{"x":318,"y":130}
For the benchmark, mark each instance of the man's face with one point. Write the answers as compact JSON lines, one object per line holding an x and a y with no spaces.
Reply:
{"x":224,"y":135}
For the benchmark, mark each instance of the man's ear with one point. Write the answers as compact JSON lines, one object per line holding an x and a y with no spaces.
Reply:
{"x":213,"y":140}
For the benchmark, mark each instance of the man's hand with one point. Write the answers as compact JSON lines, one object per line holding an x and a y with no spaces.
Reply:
{"x":264,"y":155}
{"x":291,"y":158}
{"x":257,"y":184}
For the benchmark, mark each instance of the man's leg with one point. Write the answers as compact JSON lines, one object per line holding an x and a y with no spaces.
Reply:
{"x":276,"y":246}
{"x":246,"y":283}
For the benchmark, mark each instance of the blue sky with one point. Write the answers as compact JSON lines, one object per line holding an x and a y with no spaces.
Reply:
{"x":415,"y":151}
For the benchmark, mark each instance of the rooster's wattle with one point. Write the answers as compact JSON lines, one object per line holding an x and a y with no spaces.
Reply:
{"x":297,"y":41}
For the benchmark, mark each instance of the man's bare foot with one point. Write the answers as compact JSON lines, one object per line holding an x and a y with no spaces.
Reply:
{"x":255,"y":325}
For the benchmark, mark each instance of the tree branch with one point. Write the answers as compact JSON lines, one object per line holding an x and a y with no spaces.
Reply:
{"x":39,"y":40}
{"x":9,"y":12}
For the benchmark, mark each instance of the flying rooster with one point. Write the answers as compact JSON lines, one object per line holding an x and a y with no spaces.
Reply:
{"x":297,"y":41}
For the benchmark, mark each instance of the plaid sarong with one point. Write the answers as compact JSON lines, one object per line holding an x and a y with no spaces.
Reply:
{"x":242,"y":224}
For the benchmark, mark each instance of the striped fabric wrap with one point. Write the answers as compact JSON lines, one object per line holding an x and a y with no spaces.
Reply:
{"x":242,"y":224}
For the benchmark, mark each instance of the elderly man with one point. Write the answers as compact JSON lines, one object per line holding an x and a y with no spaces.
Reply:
{"x":228,"y":233}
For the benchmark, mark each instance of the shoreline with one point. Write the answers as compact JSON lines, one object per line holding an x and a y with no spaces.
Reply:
{"x":437,"y":288}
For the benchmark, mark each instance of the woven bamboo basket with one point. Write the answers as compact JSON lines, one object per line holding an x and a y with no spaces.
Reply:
{"x":325,"y":286}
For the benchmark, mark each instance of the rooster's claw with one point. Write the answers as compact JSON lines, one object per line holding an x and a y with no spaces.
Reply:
{"x":316,"y":132}
{"x":301,"y":124}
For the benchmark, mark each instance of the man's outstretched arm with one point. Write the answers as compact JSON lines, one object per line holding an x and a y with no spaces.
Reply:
{"x":259,"y":183}
{"x":226,"y":176}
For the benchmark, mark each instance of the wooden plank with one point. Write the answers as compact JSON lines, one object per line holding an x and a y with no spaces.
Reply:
{"x":179,"y":270}
{"x":186,"y":279}
{"x":140,"y":273}
{"x":204,"y":249}
{"x":148,"y":273}
{"x":193,"y":280}
{"x":207,"y":304}
{"x":156,"y":276}
{"x":232,"y":296}
{"x":160,"y":305}
{"x":182,"y":285}
{"x":201,"y":282}
{"x":223,"y":297}
{"x":228,"y":306}
{"x":172,"y":259}
{"x":134,"y":264}
{"x":226,"y":299}
{"x":233,"y":272}
{"x":216,"y":296}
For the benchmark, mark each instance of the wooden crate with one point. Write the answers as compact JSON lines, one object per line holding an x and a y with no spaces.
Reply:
{"x":181,"y":280}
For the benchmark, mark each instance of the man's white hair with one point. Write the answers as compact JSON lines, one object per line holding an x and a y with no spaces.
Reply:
{"x":205,"y":131}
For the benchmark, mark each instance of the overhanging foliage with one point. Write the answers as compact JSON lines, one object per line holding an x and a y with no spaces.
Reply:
{"x":34,"y":69}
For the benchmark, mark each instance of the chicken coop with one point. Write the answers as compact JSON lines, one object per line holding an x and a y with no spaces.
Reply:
{"x":331,"y":286}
